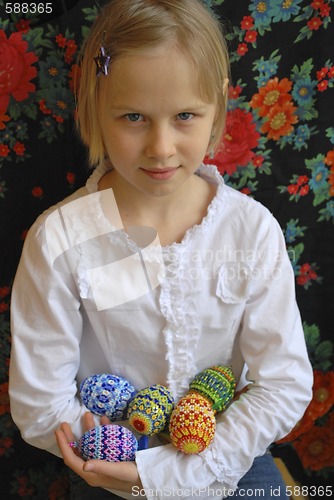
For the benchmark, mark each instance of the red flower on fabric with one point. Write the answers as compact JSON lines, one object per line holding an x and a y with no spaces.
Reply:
{"x":325,"y":10}
{"x":250,"y":36}
{"x":322,"y":73}
{"x":71,"y":48}
{"x":242,"y":49}
{"x":5,"y":444}
{"x":3,"y":118}
{"x":314,"y":23}
{"x":43,"y":108}
{"x":70,"y":176}
{"x":257,"y":160}
{"x":306,"y":274}
{"x":61,"y":41}
{"x":16,"y":69}
{"x":316,"y":448}
{"x":322,"y":86}
{"x":23,"y":25}
{"x":19,"y":148}
{"x":239,"y":138}
{"x":37,"y":192}
{"x":4,"y":291}
{"x":4,"y":150}
{"x":3,"y":308}
{"x":317,"y":4}
{"x":292,"y":189}
{"x":247,"y":23}
{"x":234,"y":92}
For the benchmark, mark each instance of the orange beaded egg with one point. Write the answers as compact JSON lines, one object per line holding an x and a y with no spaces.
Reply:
{"x":192,"y":424}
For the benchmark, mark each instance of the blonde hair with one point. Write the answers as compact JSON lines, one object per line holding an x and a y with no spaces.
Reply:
{"x":126,"y":27}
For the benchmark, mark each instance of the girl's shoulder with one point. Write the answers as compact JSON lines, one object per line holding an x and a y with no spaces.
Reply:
{"x":90,"y":187}
{"x":228,"y":200}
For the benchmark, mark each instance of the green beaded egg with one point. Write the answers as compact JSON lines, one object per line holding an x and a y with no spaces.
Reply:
{"x":217,"y":384}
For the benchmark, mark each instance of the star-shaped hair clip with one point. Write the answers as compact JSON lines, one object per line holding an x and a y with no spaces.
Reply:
{"x":102,"y":61}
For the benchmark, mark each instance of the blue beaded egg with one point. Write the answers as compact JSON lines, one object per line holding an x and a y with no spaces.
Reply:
{"x":106,"y":394}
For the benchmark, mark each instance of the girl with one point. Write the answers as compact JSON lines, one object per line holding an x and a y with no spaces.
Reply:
{"x":151,"y":106}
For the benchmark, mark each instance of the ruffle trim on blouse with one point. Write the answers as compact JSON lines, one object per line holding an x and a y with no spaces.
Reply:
{"x":178,"y":295}
{"x":223,"y":474}
{"x":211,"y":175}
{"x":177,"y":303}
{"x":92,"y":183}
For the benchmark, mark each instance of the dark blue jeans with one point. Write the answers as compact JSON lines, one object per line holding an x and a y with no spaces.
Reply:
{"x":263,"y":481}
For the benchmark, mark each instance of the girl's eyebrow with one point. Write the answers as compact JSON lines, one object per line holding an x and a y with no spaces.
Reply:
{"x":194,"y":107}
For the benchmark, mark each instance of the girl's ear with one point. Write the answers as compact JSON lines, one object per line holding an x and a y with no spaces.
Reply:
{"x":225,"y":86}
{"x":210,"y":149}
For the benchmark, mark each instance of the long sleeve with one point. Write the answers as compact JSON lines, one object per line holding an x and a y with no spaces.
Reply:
{"x":271,"y":342}
{"x":47,"y":328}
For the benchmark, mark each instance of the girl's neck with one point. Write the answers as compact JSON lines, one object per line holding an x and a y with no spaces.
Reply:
{"x":171,"y":215}
{"x":132,"y":202}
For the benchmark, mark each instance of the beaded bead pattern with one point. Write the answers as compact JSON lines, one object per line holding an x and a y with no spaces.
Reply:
{"x":217,"y":384}
{"x":106,"y":394}
{"x":149,"y":410}
{"x":192,"y":424}
{"x":112,"y":443}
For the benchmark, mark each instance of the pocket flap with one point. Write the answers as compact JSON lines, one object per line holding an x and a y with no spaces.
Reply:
{"x":233,"y":282}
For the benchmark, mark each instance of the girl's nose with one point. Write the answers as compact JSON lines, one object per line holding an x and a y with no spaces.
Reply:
{"x":161,"y":143}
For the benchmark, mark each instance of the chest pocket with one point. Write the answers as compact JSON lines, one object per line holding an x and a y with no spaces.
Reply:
{"x":233,"y":282}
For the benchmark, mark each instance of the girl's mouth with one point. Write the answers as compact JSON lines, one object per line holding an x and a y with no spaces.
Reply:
{"x":160,"y":174}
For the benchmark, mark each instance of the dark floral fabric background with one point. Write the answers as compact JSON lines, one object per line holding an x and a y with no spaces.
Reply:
{"x":278,"y":147}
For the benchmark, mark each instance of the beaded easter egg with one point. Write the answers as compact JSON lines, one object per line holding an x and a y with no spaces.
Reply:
{"x":113,"y":443}
{"x":217,"y":384}
{"x":149,"y":410}
{"x":192,"y":424}
{"x":106,"y":394}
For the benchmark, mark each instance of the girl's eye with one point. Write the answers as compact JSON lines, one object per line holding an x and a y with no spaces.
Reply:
{"x":134,"y":117}
{"x":185,"y":116}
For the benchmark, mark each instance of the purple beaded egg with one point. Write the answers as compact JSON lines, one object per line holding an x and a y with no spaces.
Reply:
{"x":113,"y":443}
{"x":106,"y":394}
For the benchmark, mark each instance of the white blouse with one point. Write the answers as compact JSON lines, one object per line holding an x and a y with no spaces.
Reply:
{"x":227,"y":297}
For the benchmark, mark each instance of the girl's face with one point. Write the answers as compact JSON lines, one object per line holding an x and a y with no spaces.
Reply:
{"x":155,"y":125}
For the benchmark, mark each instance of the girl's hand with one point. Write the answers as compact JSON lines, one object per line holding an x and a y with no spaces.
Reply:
{"x":122,"y":476}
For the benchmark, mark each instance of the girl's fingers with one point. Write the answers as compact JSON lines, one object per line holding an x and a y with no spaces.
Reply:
{"x":64,"y":441}
{"x":105,"y":420}
{"x":66,"y":428}
{"x":89,"y":422}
